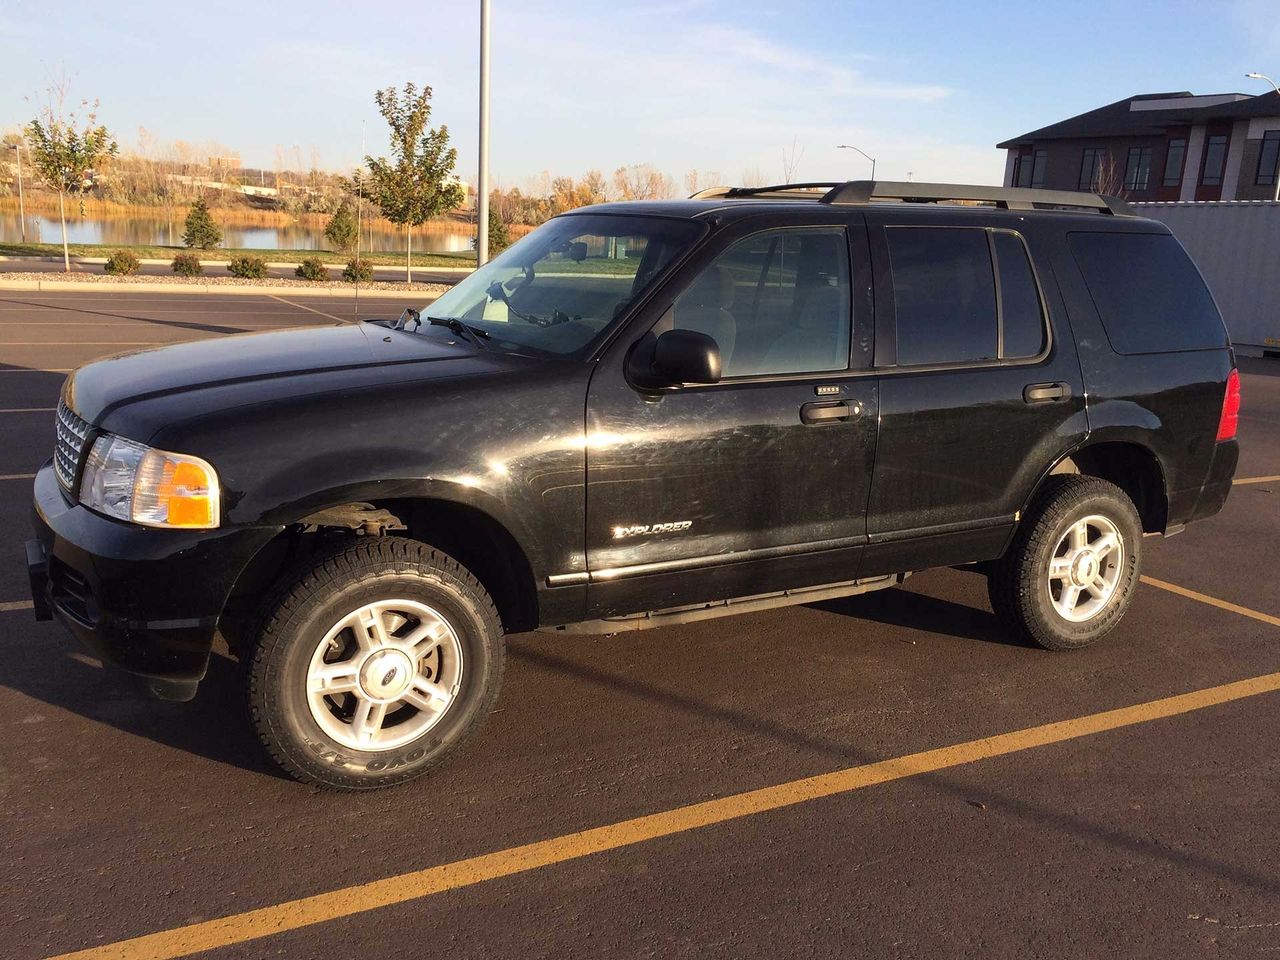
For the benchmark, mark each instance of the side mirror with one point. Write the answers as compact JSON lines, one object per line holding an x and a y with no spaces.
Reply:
{"x":686,"y":356}
{"x":577,"y":251}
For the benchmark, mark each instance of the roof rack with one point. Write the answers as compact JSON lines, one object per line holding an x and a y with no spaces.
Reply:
{"x":861,"y":192}
{"x":780,"y":191}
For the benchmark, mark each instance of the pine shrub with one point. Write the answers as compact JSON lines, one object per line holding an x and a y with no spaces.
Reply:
{"x":358,"y":270}
{"x":201,"y":231}
{"x":312,"y":268}
{"x":122,"y":263}
{"x":187,"y":265}
{"x":248,"y":268}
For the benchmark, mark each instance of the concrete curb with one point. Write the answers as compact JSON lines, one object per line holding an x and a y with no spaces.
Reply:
{"x":108,"y":286}
{"x":273,"y":264}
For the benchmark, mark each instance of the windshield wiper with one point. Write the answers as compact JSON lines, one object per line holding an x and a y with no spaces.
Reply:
{"x":473,"y":334}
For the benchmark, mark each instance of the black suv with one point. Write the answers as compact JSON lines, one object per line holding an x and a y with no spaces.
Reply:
{"x":641,"y":414}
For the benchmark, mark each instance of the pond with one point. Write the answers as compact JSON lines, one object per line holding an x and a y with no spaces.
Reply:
{"x":131,"y":230}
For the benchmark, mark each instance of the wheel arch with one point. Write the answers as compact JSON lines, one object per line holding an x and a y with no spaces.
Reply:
{"x":1128,"y":463}
{"x":458,"y":526}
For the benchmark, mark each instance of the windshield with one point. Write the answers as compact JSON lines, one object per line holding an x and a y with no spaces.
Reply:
{"x":556,"y":290}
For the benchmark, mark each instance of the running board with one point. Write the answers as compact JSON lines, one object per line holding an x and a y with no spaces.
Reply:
{"x":724,"y":608}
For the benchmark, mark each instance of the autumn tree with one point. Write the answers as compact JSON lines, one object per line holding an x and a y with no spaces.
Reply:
{"x":66,"y":151}
{"x":415,"y":183}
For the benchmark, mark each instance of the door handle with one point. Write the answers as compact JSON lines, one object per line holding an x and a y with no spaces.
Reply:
{"x":818,"y":413}
{"x":1046,"y":392}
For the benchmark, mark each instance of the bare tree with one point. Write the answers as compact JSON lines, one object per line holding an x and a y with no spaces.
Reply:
{"x":641,"y":181}
{"x":1108,"y":177}
{"x":791,"y":162}
{"x":754,"y":177}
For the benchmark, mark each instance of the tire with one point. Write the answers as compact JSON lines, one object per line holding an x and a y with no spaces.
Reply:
{"x":1029,"y":586}
{"x":411,"y":664}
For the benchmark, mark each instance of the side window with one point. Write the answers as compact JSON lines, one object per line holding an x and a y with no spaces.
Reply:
{"x":944,"y":294}
{"x":1021,"y":311}
{"x":1148,"y":293}
{"x":776,"y":303}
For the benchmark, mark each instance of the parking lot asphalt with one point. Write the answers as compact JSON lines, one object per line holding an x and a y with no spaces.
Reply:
{"x":652,"y":794}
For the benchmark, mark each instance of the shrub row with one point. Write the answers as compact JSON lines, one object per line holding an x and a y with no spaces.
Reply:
{"x":123,"y":263}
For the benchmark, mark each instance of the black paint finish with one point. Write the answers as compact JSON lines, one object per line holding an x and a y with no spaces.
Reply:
{"x":622,"y":497}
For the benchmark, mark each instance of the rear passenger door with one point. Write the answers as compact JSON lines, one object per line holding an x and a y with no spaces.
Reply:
{"x":980,"y":385}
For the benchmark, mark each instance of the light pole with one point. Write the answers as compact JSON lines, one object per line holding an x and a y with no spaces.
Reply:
{"x":22,"y":208}
{"x":482,"y":181}
{"x":1275,"y":174}
{"x":849,"y":146}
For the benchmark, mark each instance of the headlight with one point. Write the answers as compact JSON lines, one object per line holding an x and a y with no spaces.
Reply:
{"x":131,"y":481}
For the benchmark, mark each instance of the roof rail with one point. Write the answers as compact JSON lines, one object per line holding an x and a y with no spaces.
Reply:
{"x":1007,"y":198}
{"x":778,"y":191}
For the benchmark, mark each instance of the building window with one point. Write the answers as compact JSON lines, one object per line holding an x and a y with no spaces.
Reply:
{"x":1269,"y":159}
{"x":1215,"y":157}
{"x":1174,"y":157}
{"x":1028,"y":168}
{"x":1037,"y":169}
{"x":1137,"y":170}
{"x":1022,"y":165}
{"x":1089,"y":168}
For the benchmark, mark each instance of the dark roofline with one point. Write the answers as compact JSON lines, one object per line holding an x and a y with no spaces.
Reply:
{"x":1117,"y":120}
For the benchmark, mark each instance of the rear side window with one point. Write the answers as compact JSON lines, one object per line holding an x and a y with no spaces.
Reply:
{"x":1148,"y":292}
{"x":1020,"y":305}
{"x":946,"y":302}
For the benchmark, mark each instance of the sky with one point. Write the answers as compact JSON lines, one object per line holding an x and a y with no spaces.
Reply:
{"x":730,"y":87}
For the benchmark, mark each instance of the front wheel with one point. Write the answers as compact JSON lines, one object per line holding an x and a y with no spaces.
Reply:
{"x":1069,"y":576}
{"x":374,"y":664}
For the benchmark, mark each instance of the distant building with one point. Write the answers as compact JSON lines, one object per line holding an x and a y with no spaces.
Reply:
{"x":225,"y":163}
{"x":1157,"y":146}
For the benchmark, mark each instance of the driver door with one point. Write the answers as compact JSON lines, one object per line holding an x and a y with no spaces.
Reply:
{"x":759,"y":482}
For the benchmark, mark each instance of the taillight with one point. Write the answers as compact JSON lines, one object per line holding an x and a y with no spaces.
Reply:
{"x":1230,"y":419}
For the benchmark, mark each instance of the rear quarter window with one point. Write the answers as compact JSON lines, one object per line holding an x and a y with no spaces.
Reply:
{"x":1148,"y":293}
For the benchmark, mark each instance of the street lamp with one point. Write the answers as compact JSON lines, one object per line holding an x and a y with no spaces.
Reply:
{"x":1275,"y":174}
{"x":22,"y":209}
{"x":849,"y":146}
{"x":482,"y":180}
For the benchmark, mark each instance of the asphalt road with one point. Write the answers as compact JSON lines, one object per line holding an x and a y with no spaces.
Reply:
{"x":1149,"y":832}
{"x":384,"y":274}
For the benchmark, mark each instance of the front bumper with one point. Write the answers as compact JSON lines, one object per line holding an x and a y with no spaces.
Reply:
{"x":142,"y":599}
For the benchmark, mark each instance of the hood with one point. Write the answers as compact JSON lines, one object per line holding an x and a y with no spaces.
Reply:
{"x":253,"y":367}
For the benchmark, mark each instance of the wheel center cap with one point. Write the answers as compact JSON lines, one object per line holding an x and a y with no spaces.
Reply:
{"x":386,"y":675}
{"x":1085,"y":569}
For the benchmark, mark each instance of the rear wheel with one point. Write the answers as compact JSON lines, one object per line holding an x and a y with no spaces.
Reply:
{"x":1069,"y":576}
{"x":374,"y":664}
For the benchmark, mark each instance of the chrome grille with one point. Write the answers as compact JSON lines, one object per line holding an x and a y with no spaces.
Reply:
{"x":69,"y":447}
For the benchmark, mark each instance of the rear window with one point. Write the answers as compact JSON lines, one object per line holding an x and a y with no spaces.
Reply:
{"x":1148,"y":292}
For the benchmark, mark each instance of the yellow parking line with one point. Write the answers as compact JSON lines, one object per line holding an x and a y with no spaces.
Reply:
{"x":28,"y":410}
{"x":348,"y":901}
{"x":10,"y":605}
{"x":1240,"y":480}
{"x":1213,"y":601}
{"x":17,"y":476}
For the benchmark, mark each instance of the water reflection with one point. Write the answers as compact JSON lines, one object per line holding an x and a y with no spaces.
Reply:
{"x":157,"y":231}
